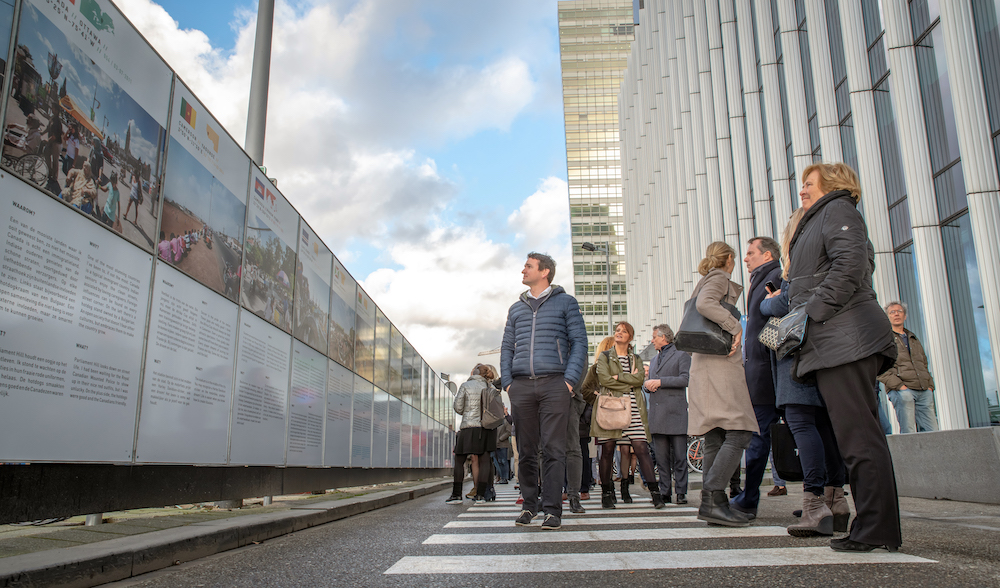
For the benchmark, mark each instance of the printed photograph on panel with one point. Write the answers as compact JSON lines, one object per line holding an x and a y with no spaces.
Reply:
{"x":311,"y":313}
{"x":73,"y":130}
{"x":202,"y":229}
{"x":364,"y":339}
{"x":6,"y":28}
{"x":269,"y":254}
{"x":342,"y":325}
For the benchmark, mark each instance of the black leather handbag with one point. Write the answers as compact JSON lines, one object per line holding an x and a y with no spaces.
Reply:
{"x":698,"y":334}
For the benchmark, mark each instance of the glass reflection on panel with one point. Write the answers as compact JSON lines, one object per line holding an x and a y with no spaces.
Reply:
{"x":909,"y":291}
{"x":976,"y":360}
{"x":986,"y":15}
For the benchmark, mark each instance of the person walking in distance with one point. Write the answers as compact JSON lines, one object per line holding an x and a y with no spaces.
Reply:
{"x":909,"y":383}
{"x":667,"y":412}
{"x":542,"y":358}
{"x":762,"y":262}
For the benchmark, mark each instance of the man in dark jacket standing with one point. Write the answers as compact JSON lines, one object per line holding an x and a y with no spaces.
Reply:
{"x":762,"y":258}
{"x":542,"y":357}
{"x":667,"y":411}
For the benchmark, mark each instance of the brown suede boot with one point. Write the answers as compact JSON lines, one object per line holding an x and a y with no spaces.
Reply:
{"x":817,"y":519}
{"x":835,"y":501}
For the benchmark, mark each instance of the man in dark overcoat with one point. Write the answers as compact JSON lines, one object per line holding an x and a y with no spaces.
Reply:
{"x":667,"y":412}
{"x":762,"y":261}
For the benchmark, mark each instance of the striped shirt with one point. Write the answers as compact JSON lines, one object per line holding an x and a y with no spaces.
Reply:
{"x":635,"y":430}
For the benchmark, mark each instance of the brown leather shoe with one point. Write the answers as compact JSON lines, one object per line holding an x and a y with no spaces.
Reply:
{"x":778,"y":491}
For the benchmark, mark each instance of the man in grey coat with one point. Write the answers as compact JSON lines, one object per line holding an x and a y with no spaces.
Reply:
{"x":667,"y":412}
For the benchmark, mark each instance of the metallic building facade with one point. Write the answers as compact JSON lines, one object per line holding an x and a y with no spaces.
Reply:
{"x":594,"y":40}
{"x":725,"y":102}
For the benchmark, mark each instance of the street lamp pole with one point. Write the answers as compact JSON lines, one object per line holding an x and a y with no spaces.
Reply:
{"x":607,"y":257}
{"x":259,"y":79}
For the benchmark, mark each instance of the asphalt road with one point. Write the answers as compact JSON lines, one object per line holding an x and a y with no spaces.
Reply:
{"x":945,"y":544}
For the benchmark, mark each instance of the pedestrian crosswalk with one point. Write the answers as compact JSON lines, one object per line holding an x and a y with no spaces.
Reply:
{"x":627,"y":531}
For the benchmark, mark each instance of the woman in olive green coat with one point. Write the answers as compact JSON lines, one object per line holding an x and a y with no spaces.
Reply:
{"x":619,"y":373}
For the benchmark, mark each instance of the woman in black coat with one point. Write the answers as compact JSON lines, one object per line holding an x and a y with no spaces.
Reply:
{"x":824,"y":508}
{"x":848,"y":343}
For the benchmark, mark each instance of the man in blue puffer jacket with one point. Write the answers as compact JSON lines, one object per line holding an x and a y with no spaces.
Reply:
{"x":543,"y":356}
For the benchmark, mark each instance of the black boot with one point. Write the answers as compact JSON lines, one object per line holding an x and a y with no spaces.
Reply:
{"x":607,"y":496}
{"x":657,"y":499}
{"x":625,"y":495}
{"x":715,"y":510}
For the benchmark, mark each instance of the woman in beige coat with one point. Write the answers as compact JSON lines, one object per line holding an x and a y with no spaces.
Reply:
{"x":719,"y":402}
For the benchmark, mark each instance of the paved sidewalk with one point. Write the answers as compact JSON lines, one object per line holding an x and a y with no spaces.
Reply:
{"x":136,"y":542}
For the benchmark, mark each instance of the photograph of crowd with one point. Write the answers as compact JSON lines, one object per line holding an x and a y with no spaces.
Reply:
{"x":342,"y":328}
{"x":75,"y":133}
{"x":311,"y":310}
{"x":364,"y":339}
{"x":268,"y":270}
{"x":202,"y":229}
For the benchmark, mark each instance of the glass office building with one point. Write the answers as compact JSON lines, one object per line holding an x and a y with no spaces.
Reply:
{"x":725,"y":102}
{"x":594,"y":43}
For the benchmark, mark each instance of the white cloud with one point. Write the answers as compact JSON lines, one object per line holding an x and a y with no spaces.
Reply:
{"x":356,"y":88}
{"x":455,"y":285}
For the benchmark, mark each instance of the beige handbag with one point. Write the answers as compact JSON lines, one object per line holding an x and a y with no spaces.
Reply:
{"x":613,"y":412}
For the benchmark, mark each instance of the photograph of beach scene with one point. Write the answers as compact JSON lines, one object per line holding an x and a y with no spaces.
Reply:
{"x":202,"y":229}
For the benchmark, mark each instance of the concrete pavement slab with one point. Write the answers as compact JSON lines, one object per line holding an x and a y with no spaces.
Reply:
{"x":111,"y":552}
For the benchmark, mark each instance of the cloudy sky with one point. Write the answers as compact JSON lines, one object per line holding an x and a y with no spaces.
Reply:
{"x":422,"y":140}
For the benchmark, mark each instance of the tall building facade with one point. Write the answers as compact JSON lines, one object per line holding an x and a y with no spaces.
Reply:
{"x":725,"y":102}
{"x":594,"y":41}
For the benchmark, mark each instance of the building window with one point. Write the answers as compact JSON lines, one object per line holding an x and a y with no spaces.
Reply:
{"x":986,"y":15}
{"x":909,"y":290}
{"x":976,"y":360}
{"x":892,"y":163}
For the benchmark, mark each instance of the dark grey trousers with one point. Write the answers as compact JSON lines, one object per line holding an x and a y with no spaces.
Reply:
{"x":574,"y":456}
{"x":541,"y":408}
{"x":723,"y":451}
{"x":671,"y":459}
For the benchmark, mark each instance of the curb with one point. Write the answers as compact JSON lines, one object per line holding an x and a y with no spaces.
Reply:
{"x":83,"y":566}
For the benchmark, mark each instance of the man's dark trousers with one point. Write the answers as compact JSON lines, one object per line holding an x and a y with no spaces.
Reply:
{"x":757,"y":453}
{"x":541,"y":410}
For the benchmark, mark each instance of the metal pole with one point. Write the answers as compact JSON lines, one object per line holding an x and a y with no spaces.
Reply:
{"x":611,"y":321}
{"x":257,"y":114}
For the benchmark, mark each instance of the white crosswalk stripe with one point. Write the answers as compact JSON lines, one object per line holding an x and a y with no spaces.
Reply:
{"x":605,"y":535}
{"x":638,"y":526}
{"x":643,"y":560}
{"x":566,"y":521}
{"x":513,"y":512}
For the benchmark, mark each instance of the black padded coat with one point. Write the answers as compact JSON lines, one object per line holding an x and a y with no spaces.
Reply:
{"x":830,"y":271}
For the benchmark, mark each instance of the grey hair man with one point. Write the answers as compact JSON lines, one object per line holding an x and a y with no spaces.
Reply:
{"x":667,"y":412}
{"x":909,"y":384}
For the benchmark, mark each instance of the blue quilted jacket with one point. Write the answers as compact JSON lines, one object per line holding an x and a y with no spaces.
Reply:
{"x":552,"y":340}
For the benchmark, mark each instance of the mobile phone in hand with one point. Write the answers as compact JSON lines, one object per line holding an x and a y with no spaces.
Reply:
{"x":770,"y":286}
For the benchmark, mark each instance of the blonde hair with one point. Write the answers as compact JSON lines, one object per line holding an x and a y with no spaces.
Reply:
{"x":786,"y":239}
{"x":488,"y":372}
{"x":716,"y":255}
{"x":604,"y":345}
{"x":835,"y":176}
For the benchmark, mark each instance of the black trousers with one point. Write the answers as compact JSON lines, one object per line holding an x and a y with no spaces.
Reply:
{"x":541,"y":408}
{"x":848,"y":391}
{"x":671,"y":459}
